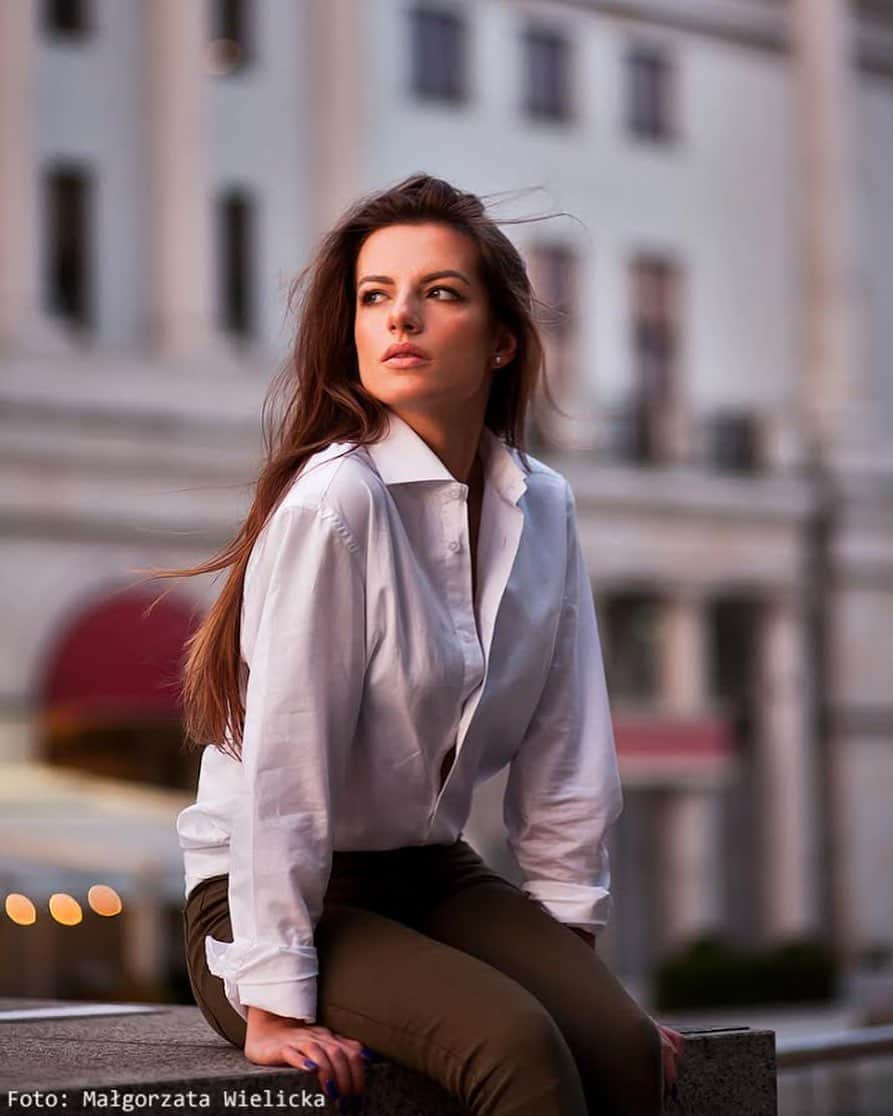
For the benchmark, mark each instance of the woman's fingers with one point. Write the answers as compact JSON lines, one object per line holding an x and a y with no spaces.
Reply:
{"x":671,"y":1043}
{"x":317,"y":1053}
{"x":336,"y":1059}
{"x":675,"y":1038}
{"x":340,"y":1065}
{"x":669,"y":1068}
{"x":344,"y":1078}
{"x":353,"y":1052}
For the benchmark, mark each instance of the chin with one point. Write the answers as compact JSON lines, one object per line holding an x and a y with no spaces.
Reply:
{"x":409,"y":391}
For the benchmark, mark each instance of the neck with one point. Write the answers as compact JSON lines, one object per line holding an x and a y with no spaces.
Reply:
{"x":456,"y":444}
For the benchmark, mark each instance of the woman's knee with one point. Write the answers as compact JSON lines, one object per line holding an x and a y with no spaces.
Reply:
{"x":524,"y":1061}
{"x":529,"y":1034}
{"x":625,"y":1076}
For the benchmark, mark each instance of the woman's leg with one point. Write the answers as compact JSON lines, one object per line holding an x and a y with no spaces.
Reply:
{"x":616,"y":1046}
{"x":207,"y":912}
{"x":445,"y":1014}
{"x":418,"y":1002}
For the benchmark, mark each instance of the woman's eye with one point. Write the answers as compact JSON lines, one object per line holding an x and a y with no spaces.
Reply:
{"x":366,"y":296}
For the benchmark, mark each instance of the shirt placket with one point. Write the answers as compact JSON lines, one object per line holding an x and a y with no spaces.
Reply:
{"x":457,"y":577}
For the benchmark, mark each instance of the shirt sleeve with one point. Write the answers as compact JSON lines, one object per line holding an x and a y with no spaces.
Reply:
{"x":303,"y":640}
{"x":563,"y":790}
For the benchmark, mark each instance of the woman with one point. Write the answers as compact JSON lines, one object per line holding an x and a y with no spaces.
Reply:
{"x":407,"y":612}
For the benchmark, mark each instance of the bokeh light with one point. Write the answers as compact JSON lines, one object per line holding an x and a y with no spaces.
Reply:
{"x":65,"y":909}
{"x":104,"y":900}
{"x":20,"y":909}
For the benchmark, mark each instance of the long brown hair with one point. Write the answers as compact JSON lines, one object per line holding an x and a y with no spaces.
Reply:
{"x":318,"y":398}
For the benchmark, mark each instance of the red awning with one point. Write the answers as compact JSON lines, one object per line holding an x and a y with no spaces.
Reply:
{"x":119,"y":660}
{"x":665,"y":736}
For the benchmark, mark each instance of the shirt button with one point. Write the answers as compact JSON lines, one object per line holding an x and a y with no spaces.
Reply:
{"x":454,"y":545}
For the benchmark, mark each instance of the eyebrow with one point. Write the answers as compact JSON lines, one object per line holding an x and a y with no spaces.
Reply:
{"x":424,"y":279}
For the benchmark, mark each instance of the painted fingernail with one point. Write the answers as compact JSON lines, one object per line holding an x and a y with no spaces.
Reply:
{"x":332,"y":1089}
{"x":368,"y":1054}
{"x":310,"y":1064}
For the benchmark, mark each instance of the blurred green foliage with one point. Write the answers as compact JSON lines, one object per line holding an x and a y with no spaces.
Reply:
{"x":711,"y":972}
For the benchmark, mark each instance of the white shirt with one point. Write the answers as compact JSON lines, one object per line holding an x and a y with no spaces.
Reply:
{"x":367,"y":660}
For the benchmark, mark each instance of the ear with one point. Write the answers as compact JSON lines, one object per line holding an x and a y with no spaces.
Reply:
{"x":504,"y":347}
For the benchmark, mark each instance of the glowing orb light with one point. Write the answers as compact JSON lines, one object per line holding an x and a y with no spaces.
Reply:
{"x":65,"y":909}
{"x":104,"y":900}
{"x":20,"y":909}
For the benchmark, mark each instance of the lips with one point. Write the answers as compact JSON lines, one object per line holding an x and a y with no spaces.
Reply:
{"x":404,"y":349}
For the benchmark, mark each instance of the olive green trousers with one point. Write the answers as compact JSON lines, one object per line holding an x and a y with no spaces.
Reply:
{"x":433,"y":961}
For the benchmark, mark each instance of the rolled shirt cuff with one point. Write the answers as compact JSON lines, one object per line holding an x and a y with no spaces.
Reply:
{"x":279,"y":979}
{"x":575,"y":904}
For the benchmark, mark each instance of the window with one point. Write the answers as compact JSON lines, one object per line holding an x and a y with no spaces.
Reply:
{"x":438,"y":51}
{"x":68,"y":263}
{"x":655,"y":298}
{"x":650,"y":91}
{"x":631,"y":638}
{"x":236,"y":239}
{"x":66,"y":17}
{"x":231,"y":46}
{"x":547,"y":74}
{"x":734,"y":442}
{"x":553,"y":269}
{"x":735,"y":666}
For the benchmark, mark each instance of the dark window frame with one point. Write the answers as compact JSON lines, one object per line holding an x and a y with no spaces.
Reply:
{"x":236,"y":213}
{"x":554,"y":267}
{"x":235,"y":21}
{"x":655,"y":328}
{"x":652,"y":83}
{"x":438,"y":54}
{"x":67,"y":19}
{"x":548,"y":69}
{"x":734,"y":440}
{"x":69,"y":199}
{"x":630,"y":626}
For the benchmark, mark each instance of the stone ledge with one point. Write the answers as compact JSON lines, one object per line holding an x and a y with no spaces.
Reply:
{"x":170,"y":1049}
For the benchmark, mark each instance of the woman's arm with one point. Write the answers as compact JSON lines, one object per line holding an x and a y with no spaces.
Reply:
{"x":303,"y":636}
{"x":563,"y":790}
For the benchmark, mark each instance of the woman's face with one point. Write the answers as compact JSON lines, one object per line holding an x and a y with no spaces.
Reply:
{"x":404,"y":295}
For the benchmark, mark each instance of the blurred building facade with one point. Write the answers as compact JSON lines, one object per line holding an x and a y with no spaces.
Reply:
{"x":717,"y":340}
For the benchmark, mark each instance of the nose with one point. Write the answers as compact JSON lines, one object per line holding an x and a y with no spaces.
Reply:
{"x":404,"y":315}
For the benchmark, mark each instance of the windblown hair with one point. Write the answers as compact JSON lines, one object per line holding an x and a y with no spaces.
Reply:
{"x":317,"y":399}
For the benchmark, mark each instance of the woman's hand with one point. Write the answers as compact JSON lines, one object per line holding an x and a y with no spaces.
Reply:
{"x":671,"y":1042}
{"x":671,"y":1045}
{"x":271,"y":1040}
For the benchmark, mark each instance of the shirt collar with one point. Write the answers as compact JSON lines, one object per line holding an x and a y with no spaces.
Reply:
{"x":402,"y":456}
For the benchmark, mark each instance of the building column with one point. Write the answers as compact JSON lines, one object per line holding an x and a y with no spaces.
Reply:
{"x":690,"y":817}
{"x":23,"y":324}
{"x":692,"y":896}
{"x":684,"y":659}
{"x":19,"y":732}
{"x":144,"y":946}
{"x":834,"y":390}
{"x":181,"y":288}
{"x":786,"y":777}
{"x":335,"y":83}
{"x":18,"y":263}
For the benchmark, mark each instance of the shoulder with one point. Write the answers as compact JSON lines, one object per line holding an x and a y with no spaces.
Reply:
{"x":338,"y":484}
{"x":546,"y":486}
{"x":317,"y":522}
